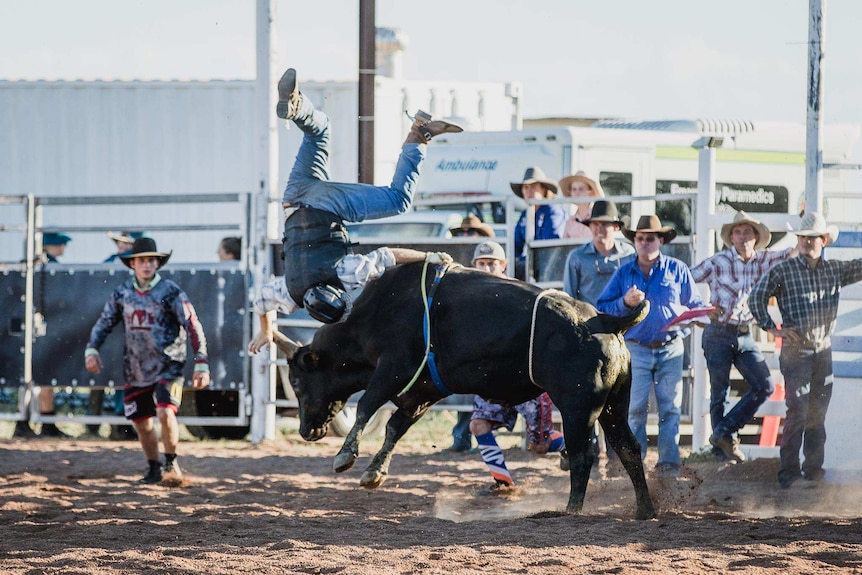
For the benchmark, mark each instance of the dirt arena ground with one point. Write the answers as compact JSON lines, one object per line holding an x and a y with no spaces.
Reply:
{"x":74,"y":506}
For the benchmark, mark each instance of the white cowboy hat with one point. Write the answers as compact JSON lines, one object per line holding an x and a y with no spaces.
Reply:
{"x":764,"y":236}
{"x":812,"y":225}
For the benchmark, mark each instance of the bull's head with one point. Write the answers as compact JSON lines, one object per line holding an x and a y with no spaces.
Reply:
{"x":321,"y":388}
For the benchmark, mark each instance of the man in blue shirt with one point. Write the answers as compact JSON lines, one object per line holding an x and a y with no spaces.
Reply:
{"x":657,"y":355}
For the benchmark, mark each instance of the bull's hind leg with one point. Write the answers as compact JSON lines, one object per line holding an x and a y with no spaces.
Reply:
{"x":576,"y":429}
{"x":376,"y":472}
{"x":614,"y":421}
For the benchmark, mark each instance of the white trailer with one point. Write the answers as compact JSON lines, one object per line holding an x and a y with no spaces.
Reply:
{"x":760,"y":166}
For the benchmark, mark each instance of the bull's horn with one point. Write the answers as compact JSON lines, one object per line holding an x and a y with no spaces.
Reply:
{"x":285,"y":344}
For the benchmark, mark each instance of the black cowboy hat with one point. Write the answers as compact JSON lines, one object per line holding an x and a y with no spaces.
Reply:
{"x":605,"y":211}
{"x":145,"y":247}
{"x":651,"y":224}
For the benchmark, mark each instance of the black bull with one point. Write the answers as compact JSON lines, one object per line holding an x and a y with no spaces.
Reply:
{"x":487,"y":337}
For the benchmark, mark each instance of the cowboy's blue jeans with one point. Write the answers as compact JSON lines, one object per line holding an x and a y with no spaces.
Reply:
{"x":808,"y":389}
{"x":724,"y":348}
{"x":661,"y":367}
{"x":309,"y":182}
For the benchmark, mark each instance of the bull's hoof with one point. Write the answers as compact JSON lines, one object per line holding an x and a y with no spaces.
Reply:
{"x":644,"y":514}
{"x":372,"y":479}
{"x":343,"y":462}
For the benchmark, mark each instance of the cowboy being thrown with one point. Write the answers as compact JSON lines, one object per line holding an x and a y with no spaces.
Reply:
{"x":319,"y":264}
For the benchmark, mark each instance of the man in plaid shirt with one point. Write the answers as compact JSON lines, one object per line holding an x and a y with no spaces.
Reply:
{"x":727,"y":340}
{"x":807,"y":288}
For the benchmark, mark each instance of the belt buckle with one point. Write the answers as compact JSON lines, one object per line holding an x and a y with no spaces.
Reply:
{"x":744,"y":328}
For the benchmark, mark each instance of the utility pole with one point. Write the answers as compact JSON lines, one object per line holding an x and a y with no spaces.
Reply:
{"x":367,"y":71}
{"x":813,"y":136}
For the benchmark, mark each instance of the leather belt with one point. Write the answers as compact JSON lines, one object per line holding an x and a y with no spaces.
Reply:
{"x":655,"y":344}
{"x":742,"y":328}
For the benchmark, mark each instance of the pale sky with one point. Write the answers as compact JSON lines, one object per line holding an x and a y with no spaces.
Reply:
{"x":742,"y":59}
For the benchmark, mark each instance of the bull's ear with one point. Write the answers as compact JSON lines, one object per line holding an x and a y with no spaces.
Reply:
{"x":307,"y":360}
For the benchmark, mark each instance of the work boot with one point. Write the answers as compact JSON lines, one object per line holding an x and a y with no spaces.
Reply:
{"x":23,"y":430}
{"x":172,"y":471}
{"x":729,"y":446}
{"x":154,"y":474}
{"x":424,"y":128}
{"x":51,"y":430}
{"x":289,"y":97}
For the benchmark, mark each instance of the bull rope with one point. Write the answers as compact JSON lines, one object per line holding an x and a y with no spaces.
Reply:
{"x":427,"y":334}
{"x":533,"y":334}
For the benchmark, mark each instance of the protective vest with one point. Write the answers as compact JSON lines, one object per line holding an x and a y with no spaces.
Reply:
{"x":315,"y":241}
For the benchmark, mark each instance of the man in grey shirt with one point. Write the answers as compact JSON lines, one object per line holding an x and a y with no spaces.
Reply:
{"x":589,"y":267}
{"x":588,"y":270}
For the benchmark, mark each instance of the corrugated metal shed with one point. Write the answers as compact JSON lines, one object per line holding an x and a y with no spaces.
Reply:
{"x":127,"y":138}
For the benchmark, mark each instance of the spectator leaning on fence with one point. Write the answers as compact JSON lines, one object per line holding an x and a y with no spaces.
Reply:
{"x":549,"y":221}
{"x":727,"y":339}
{"x":574,"y":186}
{"x":807,"y":288}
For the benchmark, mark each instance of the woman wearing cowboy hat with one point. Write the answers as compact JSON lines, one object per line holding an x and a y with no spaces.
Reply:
{"x":808,"y":288}
{"x":577,"y":186}
{"x":157,"y":316}
{"x":550,"y":219}
{"x":657,"y":355}
{"x":727,"y":339}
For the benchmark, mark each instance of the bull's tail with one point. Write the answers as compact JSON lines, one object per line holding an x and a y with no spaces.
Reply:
{"x":615,"y":324}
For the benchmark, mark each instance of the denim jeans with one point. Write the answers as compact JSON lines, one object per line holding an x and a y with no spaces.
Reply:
{"x":808,"y":384}
{"x":723,"y":348}
{"x":309,"y":182}
{"x":661,"y":367}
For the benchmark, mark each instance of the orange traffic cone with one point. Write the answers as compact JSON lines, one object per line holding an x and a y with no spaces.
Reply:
{"x":771,"y":423}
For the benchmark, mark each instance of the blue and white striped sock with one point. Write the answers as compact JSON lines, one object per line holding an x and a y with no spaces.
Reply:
{"x":492,"y":455}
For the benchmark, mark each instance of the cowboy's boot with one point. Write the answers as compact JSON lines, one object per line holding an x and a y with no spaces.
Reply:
{"x":424,"y":128}
{"x":289,"y":97}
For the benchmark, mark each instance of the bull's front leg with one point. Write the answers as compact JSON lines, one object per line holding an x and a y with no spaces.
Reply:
{"x":376,"y":472}
{"x":367,"y":406}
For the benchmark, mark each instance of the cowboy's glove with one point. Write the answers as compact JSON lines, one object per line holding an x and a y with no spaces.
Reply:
{"x":438,"y":258}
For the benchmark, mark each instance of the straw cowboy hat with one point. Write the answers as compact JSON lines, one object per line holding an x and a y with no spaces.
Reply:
{"x":764,"y":236}
{"x":145,"y":247}
{"x":489,"y":250}
{"x":127,"y":237}
{"x":604,"y":211}
{"x":651,"y":224}
{"x":531,"y":176}
{"x":579,"y":176}
{"x":473,"y":223}
{"x":813,"y":225}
